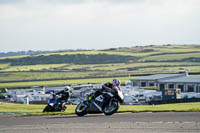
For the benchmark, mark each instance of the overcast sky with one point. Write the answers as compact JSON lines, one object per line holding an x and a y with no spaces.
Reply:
{"x":96,"y":24}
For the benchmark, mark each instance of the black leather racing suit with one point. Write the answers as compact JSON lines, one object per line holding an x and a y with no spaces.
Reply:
{"x":64,"y":95}
{"x":105,"y":87}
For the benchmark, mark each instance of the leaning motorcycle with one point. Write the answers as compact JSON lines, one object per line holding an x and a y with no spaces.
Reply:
{"x":107,"y":103}
{"x":55,"y":105}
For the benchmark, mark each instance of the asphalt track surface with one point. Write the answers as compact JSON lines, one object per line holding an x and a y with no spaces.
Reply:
{"x":162,"y":122}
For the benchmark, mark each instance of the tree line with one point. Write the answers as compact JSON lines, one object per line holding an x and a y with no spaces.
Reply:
{"x":70,"y":59}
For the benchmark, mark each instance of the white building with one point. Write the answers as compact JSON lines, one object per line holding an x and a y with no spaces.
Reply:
{"x":186,"y":84}
{"x":169,"y":81}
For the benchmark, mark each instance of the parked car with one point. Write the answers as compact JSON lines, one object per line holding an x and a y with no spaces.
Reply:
{"x":130,"y":100}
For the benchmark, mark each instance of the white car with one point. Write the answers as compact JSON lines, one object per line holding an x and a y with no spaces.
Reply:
{"x":130,"y":100}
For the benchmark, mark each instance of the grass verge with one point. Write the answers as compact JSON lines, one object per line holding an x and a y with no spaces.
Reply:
{"x":177,"y":107}
{"x":24,"y":110}
{"x":61,"y":82}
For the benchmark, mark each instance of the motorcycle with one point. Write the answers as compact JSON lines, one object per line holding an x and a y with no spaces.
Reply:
{"x":55,"y":105}
{"x":107,"y":103}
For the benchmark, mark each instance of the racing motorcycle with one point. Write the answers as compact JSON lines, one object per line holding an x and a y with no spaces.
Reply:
{"x":55,"y":104}
{"x":107,"y":103}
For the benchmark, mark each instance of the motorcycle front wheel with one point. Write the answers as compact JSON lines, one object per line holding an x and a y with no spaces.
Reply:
{"x":48,"y":108}
{"x":81,"y":109}
{"x":110,"y":109}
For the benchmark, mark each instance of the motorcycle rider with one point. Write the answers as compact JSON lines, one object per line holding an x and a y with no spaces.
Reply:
{"x":64,"y":97}
{"x":64,"y":94}
{"x":108,"y":87}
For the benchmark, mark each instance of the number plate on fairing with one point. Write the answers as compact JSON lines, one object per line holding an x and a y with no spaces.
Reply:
{"x":99,"y":98}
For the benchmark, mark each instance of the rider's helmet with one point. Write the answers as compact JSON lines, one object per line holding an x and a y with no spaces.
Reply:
{"x":67,"y":88}
{"x":116,"y":82}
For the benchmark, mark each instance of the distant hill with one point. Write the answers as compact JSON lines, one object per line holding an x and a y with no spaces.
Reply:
{"x":165,"y":53}
{"x":70,"y":59}
{"x":32,"y":52}
{"x":19,"y":53}
{"x":113,"y":62}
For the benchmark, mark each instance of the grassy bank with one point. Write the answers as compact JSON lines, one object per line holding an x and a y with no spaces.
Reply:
{"x":61,"y":82}
{"x":22,"y":109}
{"x":32,"y":109}
{"x":178,"y":107}
{"x":113,"y":62}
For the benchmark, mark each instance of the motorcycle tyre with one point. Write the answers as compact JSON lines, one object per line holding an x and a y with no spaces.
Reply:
{"x":113,"y":111}
{"x":48,"y":108}
{"x":83,"y":112}
{"x":63,"y":109}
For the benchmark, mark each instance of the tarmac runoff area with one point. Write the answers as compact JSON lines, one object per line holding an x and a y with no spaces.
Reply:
{"x":162,"y":122}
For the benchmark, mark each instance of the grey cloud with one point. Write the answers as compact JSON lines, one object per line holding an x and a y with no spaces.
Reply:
{"x":11,"y":1}
{"x":70,"y":1}
{"x":86,"y":1}
{"x":121,"y":1}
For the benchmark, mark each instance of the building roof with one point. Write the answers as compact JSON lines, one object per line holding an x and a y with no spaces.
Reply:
{"x":189,"y":79}
{"x":158,"y":76}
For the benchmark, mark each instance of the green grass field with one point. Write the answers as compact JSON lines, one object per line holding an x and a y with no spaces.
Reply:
{"x":61,"y":82}
{"x":178,"y":107}
{"x":6,"y":68}
{"x":171,"y":57}
{"x":22,"y":109}
{"x":94,"y":52}
{"x":91,"y":67}
{"x":95,"y":70}
{"x":58,"y":72}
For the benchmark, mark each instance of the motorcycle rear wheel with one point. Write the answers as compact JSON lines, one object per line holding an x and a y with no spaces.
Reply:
{"x":81,"y":109}
{"x":63,"y":108}
{"x":109,"y":110}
